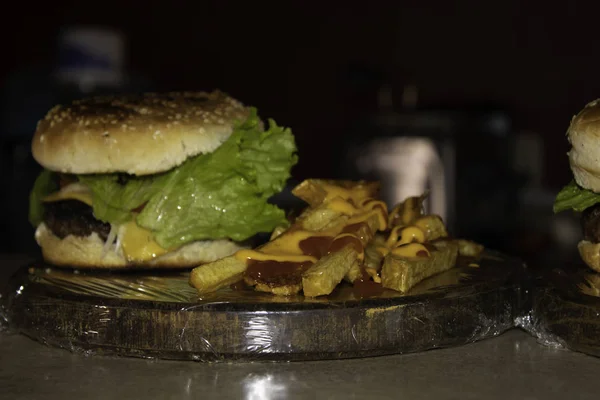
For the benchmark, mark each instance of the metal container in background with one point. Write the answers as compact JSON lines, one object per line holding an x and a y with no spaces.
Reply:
{"x":411,"y":166}
{"x":409,"y":153}
{"x":463,"y":156}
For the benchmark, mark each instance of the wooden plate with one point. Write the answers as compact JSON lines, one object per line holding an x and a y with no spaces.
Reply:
{"x":154,"y":315}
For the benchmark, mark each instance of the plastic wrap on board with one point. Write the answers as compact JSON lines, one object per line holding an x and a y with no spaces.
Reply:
{"x":565,"y":311}
{"x":158,"y":315}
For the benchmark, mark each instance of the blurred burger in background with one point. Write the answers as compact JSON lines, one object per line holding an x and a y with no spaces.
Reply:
{"x":582,"y":194}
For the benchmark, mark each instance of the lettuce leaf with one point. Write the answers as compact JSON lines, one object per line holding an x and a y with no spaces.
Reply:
{"x":223,"y":194}
{"x":44,"y":184}
{"x":575,"y":197}
{"x":114,"y":197}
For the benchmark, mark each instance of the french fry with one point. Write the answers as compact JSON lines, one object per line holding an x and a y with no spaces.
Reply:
{"x":373,"y":252}
{"x":221,"y":273}
{"x":314,"y":193}
{"x":284,"y":290}
{"x":406,"y":212}
{"x":328,"y":272}
{"x":216,"y":275}
{"x":321,"y":218}
{"x":402,"y":273}
{"x":468,"y":248}
{"x":306,"y":256}
{"x":433,"y":227}
{"x":365,"y":234}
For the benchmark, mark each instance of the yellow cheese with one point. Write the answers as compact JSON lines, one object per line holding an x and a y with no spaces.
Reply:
{"x":411,"y":234}
{"x":405,"y":234}
{"x":354,"y":203}
{"x":137,"y":243}
{"x":74,"y":191}
{"x":410,"y":250}
{"x":356,"y":194}
{"x":393,"y":238}
{"x":370,"y":204}
{"x":381,"y":217}
{"x":342,"y":206}
{"x":289,"y":242}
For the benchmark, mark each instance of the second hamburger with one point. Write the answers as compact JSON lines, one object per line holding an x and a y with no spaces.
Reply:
{"x":583,"y":193}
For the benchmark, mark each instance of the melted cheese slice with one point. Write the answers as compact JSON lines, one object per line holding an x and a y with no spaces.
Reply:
{"x":137,"y":243}
{"x":74,"y":191}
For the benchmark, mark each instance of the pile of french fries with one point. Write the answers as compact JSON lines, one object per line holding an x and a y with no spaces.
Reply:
{"x":395,"y":249}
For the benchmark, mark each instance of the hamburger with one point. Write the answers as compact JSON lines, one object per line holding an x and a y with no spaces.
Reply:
{"x":155,"y":180}
{"x":582,"y":194}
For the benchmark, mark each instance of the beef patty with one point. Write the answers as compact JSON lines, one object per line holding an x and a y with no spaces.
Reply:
{"x":72,"y":217}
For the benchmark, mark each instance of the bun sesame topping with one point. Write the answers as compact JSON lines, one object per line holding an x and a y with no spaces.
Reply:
{"x":137,"y":134}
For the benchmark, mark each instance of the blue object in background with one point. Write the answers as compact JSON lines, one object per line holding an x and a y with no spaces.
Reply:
{"x":90,"y":61}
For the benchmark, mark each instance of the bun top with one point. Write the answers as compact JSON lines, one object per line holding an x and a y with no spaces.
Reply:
{"x":137,"y":134}
{"x":584,"y":156}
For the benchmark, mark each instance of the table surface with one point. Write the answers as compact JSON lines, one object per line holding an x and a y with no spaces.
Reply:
{"x":512,"y":365}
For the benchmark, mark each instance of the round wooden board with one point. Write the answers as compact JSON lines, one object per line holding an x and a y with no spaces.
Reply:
{"x":147,"y":314}
{"x":566,"y":309}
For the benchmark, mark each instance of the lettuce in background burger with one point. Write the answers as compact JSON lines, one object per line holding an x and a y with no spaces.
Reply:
{"x":583,"y":193}
{"x":155,"y":180}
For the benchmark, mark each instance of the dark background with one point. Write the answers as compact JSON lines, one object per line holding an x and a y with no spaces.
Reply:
{"x":294,"y":60}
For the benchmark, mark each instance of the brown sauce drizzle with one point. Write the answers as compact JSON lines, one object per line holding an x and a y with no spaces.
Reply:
{"x":316,"y":246}
{"x":378,"y":205}
{"x":341,"y":242}
{"x":364,"y":287}
{"x":276,"y":273}
{"x":284,"y":273}
{"x":429,"y":246}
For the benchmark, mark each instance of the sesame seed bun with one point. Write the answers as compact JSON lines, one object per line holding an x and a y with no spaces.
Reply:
{"x":88,"y":252}
{"x":135,"y":134}
{"x":584,"y":156}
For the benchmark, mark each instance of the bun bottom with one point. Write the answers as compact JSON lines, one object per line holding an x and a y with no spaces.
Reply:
{"x":590,"y":253}
{"x":87,"y":252}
